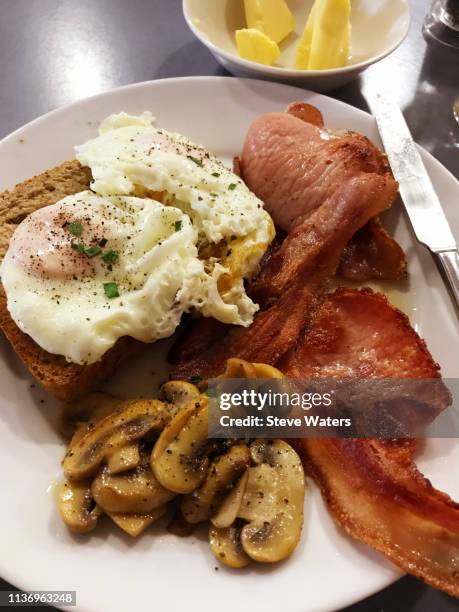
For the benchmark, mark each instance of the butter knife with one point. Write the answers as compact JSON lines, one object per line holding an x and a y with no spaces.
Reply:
{"x":421,"y":202}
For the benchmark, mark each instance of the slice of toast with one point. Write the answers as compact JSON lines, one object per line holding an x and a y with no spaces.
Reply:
{"x":63,"y":379}
{"x":39,"y":191}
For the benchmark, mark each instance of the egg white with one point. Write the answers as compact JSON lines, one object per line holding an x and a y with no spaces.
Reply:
{"x":131,"y":152}
{"x":159,"y":276}
{"x":187,"y":230}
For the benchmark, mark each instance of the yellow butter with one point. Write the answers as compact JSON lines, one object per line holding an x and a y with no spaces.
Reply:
{"x":255,"y":46}
{"x":326,"y":38}
{"x":272,"y":17}
{"x":303,"y":50}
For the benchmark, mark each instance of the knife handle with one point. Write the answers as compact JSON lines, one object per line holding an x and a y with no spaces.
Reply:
{"x":448,"y":262}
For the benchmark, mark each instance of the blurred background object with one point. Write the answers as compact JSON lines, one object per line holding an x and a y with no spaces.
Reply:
{"x":442,"y":22}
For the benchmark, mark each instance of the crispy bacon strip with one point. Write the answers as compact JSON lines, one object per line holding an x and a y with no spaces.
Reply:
{"x":294,"y":166}
{"x":324,"y":235}
{"x":375,"y":492}
{"x":358,"y":333}
{"x":372,"y":487}
{"x":372,"y":254}
{"x":198,"y":336}
{"x":273,"y":332}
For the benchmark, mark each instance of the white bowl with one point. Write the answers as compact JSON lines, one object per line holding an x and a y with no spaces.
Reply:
{"x":378,"y":28}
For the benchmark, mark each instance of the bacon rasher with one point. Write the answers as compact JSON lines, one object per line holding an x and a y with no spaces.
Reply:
{"x":372,"y":487}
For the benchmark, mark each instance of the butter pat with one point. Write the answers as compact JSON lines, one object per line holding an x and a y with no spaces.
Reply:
{"x":255,"y":46}
{"x":271,"y":17}
{"x":326,"y":38}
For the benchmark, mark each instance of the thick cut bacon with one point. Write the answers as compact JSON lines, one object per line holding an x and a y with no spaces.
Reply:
{"x":359,"y":334}
{"x":324,"y":235}
{"x":273,"y":332}
{"x":198,"y":336}
{"x":372,"y":487}
{"x":294,"y":166}
{"x":375,"y":492}
{"x":372,"y":254}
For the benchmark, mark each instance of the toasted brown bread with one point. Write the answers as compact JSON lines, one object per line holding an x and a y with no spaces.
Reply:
{"x":63,"y":379}
{"x":34,"y":193}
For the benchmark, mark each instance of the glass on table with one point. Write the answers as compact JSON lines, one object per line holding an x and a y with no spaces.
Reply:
{"x":442,"y":22}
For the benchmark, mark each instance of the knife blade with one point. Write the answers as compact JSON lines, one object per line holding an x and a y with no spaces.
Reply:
{"x":422,"y":205}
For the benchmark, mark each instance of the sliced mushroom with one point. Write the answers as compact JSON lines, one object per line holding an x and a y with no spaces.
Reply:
{"x":238,"y":368}
{"x":173,"y":429}
{"x":135,"y":524}
{"x":225,"y":543}
{"x":179,"y":393}
{"x":262,"y":370}
{"x":272,"y":502}
{"x":136,"y":491}
{"x":77,"y":507}
{"x":223,"y":472}
{"x":81,"y":416}
{"x":229,"y":508}
{"x":134,"y":421}
{"x":124,"y":459}
{"x":179,"y":459}
{"x":178,"y":525}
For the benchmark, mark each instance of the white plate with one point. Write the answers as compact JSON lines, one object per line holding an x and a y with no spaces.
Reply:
{"x":109,"y":571}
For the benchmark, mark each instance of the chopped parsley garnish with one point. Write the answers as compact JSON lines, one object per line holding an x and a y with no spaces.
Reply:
{"x":75,"y":228}
{"x":232,"y":186}
{"x":103,"y":242}
{"x":111,"y":290}
{"x":90,"y":251}
{"x":110,"y":257}
{"x":197,"y":161}
{"x":216,"y":174}
{"x":178,"y":226}
{"x":78,"y":247}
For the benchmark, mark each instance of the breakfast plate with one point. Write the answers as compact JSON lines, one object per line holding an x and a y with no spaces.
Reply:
{"x":108,"y":570}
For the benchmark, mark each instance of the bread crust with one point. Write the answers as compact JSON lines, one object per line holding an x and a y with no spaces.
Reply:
{"x":60,"y":377}
{"x":39,"y":191}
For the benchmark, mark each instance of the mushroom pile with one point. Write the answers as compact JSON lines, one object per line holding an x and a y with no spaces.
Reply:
{"x":129,"y":459}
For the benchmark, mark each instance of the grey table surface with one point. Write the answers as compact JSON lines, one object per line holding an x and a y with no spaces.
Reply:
{"x":53,"y":52}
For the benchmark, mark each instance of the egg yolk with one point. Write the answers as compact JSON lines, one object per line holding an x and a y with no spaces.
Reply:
{"x":46,"y":244}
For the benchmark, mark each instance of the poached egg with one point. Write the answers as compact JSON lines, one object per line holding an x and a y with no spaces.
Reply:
{"x":166,"y":228}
